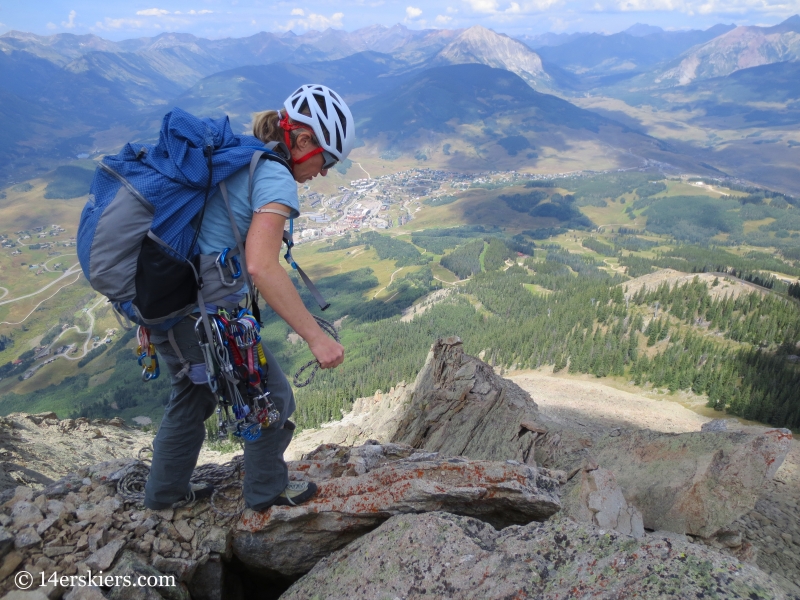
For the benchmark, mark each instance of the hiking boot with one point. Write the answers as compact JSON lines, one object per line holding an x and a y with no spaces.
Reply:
{"x":198,"y":491}
{"x":296,"y":493}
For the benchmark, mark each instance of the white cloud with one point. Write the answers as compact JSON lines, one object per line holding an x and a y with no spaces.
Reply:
{"x":700,"y":7}
{"x":413,"y":12}
{"x":502,"y":9}
{"x":323,"y":22}
{"x":70,"y":22}
{"x":483,"y":6}
{"x":314,"y":21}
{"x":109,"y":24}
{"x":200,"y":12}
{"x":152,"y":12}
{"x":52,"y":26}
{"x":299,"y":12}
{"x":442,"y":19}
{"x":451,"y":10}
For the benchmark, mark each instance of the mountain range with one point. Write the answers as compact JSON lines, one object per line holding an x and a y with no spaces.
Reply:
{"x":64,"y":94}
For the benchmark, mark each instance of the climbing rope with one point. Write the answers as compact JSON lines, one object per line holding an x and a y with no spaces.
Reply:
{"x":328,"y":328}
{"x":131,"y":486}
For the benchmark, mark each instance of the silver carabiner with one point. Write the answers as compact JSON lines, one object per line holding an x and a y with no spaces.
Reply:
{"x":234,"y":268}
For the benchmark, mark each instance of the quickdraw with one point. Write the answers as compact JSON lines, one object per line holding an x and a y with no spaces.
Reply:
{"x":146,"y":350}
{"x":236,"y":369}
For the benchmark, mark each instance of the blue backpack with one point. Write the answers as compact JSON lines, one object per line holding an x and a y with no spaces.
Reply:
{"x":138,"y":232}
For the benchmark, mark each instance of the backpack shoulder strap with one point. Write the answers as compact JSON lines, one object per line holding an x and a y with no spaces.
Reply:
{"x":287,"y":237}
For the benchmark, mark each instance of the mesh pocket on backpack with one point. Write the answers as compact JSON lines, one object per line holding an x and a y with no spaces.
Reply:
{"x":165,"y":285}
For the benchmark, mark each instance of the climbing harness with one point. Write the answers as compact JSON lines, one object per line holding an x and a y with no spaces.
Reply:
{"x":146,"y":350}
{"x":235,"y":364}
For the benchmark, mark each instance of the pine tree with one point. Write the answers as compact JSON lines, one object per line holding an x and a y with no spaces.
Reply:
{"x":652,"y":337}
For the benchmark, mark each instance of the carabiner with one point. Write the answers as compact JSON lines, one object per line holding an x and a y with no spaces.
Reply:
{"x":235,"y":268}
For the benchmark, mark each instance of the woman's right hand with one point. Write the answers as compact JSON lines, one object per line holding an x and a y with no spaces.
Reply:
{"x":328,"y":352}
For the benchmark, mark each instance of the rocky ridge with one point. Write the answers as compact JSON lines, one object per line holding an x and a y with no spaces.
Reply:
{"x":708,"y":484}
{"x":483,"y":46}
{"x":36,"y":450}
{"x":482,"y":456}
{"x":439,"y":555}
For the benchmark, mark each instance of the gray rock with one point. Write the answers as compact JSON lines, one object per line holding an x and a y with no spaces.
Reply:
{"x":25,"y":595}
{"x":48,"y":522}
{"x":183,"y":569}
{"x":10,"y":562}
{"x":6,"y":541}
{"x":97,"y":540}
{"x":184,"y":530}
{"x":290,"y":540}
{"x":439,"y":555}
{"x":717,"y":425}
{"x":84,"y":593}
{"x":105,"y":556}
{"x":730,"y":539}
{"x":26,"y":513}
{"x":459,"y":407}
{"x":97,"y":512}
{"x":52,"y":551}
{"x":594,"y":497}
{"x":26,"y":538}
{"x":212,"y":582}
{"x":692,"y":483}
{"x":133,"y":566}
{"x":217,"y":540}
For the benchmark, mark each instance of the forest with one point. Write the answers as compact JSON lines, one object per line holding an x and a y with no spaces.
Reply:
{"x":528,"y":302}
{"x":737,"y":351}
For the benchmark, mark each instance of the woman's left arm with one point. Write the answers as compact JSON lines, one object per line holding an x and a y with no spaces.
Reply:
{"x":262,"y":253}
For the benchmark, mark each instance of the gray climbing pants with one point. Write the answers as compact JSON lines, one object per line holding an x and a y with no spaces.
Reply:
{"x":182,"y":432}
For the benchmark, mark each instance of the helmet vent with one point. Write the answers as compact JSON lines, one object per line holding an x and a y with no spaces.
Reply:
{"x":342,"y":120}
{"x":322,"y":104}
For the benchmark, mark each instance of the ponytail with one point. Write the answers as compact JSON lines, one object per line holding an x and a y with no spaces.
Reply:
{"x":266,"y":126}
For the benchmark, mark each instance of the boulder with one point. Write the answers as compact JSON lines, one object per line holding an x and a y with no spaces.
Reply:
{"x":208,"y":582}
{"x":360,"y":488}
{"x":460,"y":407}
{"x":695,"y":483}
{"x":440,"y":555}
{"x":6,"y":541}
{"x":105,"y":556}
{"x":132,"y":566}
{"x":594,"y":497}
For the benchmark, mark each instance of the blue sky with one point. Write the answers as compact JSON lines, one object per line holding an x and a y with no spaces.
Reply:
{"x":239,"y":18}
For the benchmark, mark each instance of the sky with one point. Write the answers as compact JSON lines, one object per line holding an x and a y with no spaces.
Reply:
{"x":240,"y":18}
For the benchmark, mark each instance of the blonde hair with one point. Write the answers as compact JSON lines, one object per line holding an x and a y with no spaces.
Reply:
{"x":266,"y":127}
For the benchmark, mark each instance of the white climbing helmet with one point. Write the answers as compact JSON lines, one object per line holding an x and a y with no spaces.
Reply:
{"x":330,"y":118}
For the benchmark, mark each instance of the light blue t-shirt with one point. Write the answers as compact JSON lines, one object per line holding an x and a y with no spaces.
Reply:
{"x":272,"y":182}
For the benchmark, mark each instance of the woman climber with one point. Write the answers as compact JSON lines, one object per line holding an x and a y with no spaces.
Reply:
{"x":312,"y":132}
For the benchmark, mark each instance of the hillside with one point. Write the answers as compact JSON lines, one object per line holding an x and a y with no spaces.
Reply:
{"x":596,"y":54}
{"x":740,"y":48}
{"x":473,"y":109}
